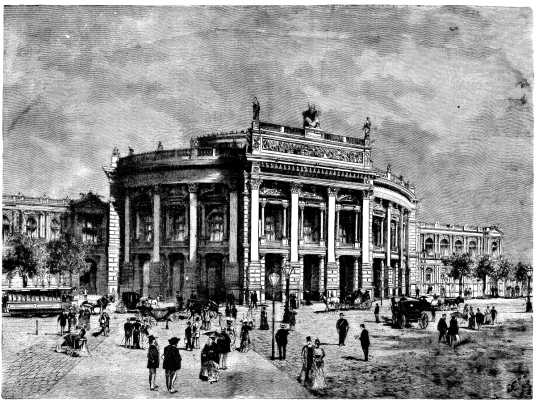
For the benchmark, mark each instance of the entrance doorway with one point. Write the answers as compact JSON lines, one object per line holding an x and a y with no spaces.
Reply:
{"x":88,"y":280}
{"x":346,"y":275}
{"x":176,"y":276}
{"x":215,"y":274}
{"x":311,"y":277}
{"x":376,"y":277}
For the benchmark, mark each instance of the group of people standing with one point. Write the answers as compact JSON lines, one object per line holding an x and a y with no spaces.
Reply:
{"x":476,"y":320}
{"x":171,"y":362}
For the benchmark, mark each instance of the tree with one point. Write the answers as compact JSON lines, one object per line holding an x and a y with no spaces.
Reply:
{"x":483,"y":269}
{"x":25,"y":256}
{"x":521,"y":272}
{"x":502,"y":269}
{"x":67,"y":254}
{"x":460,"y":266}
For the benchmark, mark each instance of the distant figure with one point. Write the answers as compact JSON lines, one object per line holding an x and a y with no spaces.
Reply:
{"x":153,"y":361}
{"x":493,"y":313}
{"x":472,"y":318}
{"x":254,"y":299}
{"x":342,"y":329}
{"x":377,"y":313}
{"x":62,"y":320}
{"x":223,"y":344}
{"x":442,"y":328}
{"x":417,"y":292}
{"x":256,"y":109}
{"x":479,"y":318}
{"x":453,"y":331}
{"x":281,"y":338}
{"x":234,"y":312}
{"x":365,"y":341}
{"x":264,"y":320}
{"x":310,"y":117}
{"x":188,"y":336}
{"x":528,"y":306}
{"x":292,"y":320}
{"x":366,"y":128}
{"x":160,"y":146}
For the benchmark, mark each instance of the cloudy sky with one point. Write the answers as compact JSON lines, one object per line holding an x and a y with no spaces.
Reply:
{"x":441,"y":86}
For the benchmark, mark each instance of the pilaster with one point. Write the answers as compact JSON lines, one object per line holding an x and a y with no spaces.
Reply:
{"x":294,"y":222}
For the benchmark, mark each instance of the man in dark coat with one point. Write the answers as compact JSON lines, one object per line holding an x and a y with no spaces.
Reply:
{"x":442,"y":327}
{"x":136,"y":333}
{"x":377,"y":313}
{"x":153,"y":361}
{"x":365,"y":341}
{"x":254,"y":299}
{"x":493,"y":313}
{"x":62,"y":320}
{"x":172,"y":363}
{"x":234,"y":311}
{"x":342,"y":329}
{"x":307,"y":360}
{"x":224,"y":347}
{"x":281,"y":338}
{"x":188,"y":336}
{"x":453,"y":330}
{"x":479,"y":318}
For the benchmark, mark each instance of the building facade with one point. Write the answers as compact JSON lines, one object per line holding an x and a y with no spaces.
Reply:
{"x":46,"y":219}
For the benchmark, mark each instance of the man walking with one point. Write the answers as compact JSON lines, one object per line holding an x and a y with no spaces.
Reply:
{"x":479,"y":317}
{"x":281,"y":338}
{"x":307,"y":360}
{"x":153,"y":361}
{"x":453,"y":331}
{"x":342,"y":329}
{"x":377,"y":313}
{"x":188,"y":336}
{"x":493,"y":315}
{"x":224,"y":347}
{"x":365,"y":341}
{"x":172,"y":363}
{"x":442,"y":328}
{"x":254,"y":299}
{"x":62,"y":320}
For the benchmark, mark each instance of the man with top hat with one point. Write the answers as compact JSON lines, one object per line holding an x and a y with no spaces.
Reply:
{"x":342,"y":329}
{"x":281,"y":338}
{"x":172,"y":363}
{"x":153,"y":361}
{"x":307,"y":360}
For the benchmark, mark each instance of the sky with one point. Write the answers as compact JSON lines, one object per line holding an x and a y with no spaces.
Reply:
{"x":441,"y":85}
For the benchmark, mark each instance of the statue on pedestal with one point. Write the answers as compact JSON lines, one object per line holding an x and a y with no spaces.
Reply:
{"x":160,"y":146}
{"x":310,"y":117}
{"x":366,"y":128}
{"x":256,"y":109}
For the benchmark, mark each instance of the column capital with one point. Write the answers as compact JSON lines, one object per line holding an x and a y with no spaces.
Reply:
{"x":367,"y":194}
{"x":255,"y":169}
{"x":295,"y":188}
{"x":255,"y":183}
{"x":193,"y":187}
{"x":285,"y":203}
{"x":332,"y":191}
{"x":301,"y":204}
{"x":264,"y":202}
{"x":323,"y":206}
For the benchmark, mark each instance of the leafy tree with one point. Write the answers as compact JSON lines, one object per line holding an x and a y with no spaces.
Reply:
{"x":521,"y":273}
{"x":483,"y":269}
{"x":25,"y":256}
{"x":461,"y":265}
{"x":67,"y":255}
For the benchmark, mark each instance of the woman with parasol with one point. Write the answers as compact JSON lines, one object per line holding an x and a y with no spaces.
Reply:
{"x":209,"y":360}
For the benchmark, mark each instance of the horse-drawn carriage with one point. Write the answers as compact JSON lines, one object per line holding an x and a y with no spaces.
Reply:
{"x":406,"y":310}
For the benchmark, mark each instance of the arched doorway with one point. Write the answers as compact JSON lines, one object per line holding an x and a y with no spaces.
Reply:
{"x":215,"y":277}
{"x":88,"y":279}
{"x":273,"y":263}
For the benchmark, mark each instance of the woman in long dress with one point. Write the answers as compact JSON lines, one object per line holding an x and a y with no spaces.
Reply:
{"x":264,"y":320}
{"x":319,"y":379}
{"x":209,"y":361}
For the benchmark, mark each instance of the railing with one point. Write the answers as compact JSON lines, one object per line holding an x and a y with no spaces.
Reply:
{"x":393,"y":178}
{"x":468,"y":228}
{"x":182,"y":154}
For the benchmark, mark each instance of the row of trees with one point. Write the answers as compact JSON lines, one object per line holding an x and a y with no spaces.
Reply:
{"x":463,"y":265}
{"x":29,"y":257}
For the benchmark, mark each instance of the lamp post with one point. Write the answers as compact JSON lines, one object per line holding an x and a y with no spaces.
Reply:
{"x":274,"y":280}
{"x":287,"y":269}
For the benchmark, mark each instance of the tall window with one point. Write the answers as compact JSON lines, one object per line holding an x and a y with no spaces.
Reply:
{"x":376,"y":231}
{"x":428,"y":275}
{"x":89,"y":232}
{"x":472,"y":248}
{"x":394,"y":236}
{"x":54,"y":229}
{"x":177,"y":228}
{"x":6,"y":227}
{"x":429,"y":246}
{"x":215,"y":226}
{"x":444,"y":246}
{"x":148,"y":228}
{"x":494,"y":248}
{"x":458,"y":246}
{"x":31,"y":227}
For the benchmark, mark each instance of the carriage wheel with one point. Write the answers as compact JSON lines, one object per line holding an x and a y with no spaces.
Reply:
{"x":423,"y":321}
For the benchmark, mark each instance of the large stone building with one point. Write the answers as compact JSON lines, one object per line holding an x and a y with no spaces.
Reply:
{"x":220,"y":216}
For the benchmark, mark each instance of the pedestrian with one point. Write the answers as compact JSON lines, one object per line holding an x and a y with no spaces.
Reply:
{"x":307,"y":361}
{"x":417,"y":292}
{"x":365,"y":341}
{"x":453,"y":331}
{"x":342,"y":329}
{"x":172,"y":363}
{"x":71,"y":319}
{"x":136,"y":332}
{"x":234,"y":312}
{"x":433,"y":311}
{"x":318,"y":376}
{"x":292,"y":320}
{"x":209,"y":361}
{"x":493,"y":313}
{"x":224,"y":348}
{"x":487,"y":316}
{"x":188,"y":336}
{"x":281,"y":338}
{"x":442,"y":328}
{"x":206,"y":319}
{"x":254,"y":299}
{"x":472,"y":318}
{"x":227,"y":310}
{"x":528,"y":306}
{"x":264,"y":319}
{"x":479,"y":317}
{"x":377,"y":313}
{"x":153,"y":362}
{"x":196,"y":332}
{"x":62,"y":320}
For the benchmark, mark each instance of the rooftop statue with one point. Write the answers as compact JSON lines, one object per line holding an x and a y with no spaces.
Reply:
{"x":160,"y":146}
{"x":366,"y":128}
{"x":256,"y":109}
{"x":310,"y":117}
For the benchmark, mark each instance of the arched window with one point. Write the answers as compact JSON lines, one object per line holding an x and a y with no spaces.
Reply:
{"x":494,"y":248}
{"x":215,"y":226}
{"x":394,"y":236}
{"x":429,"y":246}
{"x":458,"y":246}
{"x":269,"y":228}
{"x":444,"y":246}
{"x":6,"y":227}
{"x":472,"y":248}
{"x":428,"y":275}
{"x":31,"y":227}
{"x":54,"y":229}
{"x":89,"y":232}
{"x":148,"y":228}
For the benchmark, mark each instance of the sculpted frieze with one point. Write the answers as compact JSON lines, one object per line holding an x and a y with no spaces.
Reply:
{"x":265,"y":191}
{"x":310,"y":150}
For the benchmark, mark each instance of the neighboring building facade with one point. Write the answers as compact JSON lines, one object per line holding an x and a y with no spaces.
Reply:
{"x":46,"y":219}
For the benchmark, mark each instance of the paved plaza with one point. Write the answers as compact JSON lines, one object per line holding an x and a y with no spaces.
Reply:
{"x":404,"y":363}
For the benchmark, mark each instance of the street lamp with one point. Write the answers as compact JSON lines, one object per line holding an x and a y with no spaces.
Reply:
{"x":287,"y":269}
{"x":274,"y":280}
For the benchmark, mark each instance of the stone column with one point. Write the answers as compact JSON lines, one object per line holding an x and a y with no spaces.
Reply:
{"x":322,"y":208}
{"x":254,"y":231}
{"x":126,"y":247}
{"x":400,"y":277}
{"x":366,"y":266}
{"x":337,"y":224}
{"x":48,"y":219}
{"x":284,"y":240}
{"x":263,"y":205}
{"x":114,"y":244}
{"x":357,"y":277}
{"x":156,"y":225}
{"x":356,"y":225}
{"x":294,"y":221}
{"x":233,"y":227}
{"x":302,"y":221}
{"x":382,"y":279}
{"x":262,"y":277}
{"x":332,"y":193}
{"x":321,"y":275}
{"x":190,"y":267}
{"x":388,"y":250}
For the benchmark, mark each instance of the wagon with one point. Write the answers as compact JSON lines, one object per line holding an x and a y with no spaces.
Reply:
{"x":406,"y":310}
